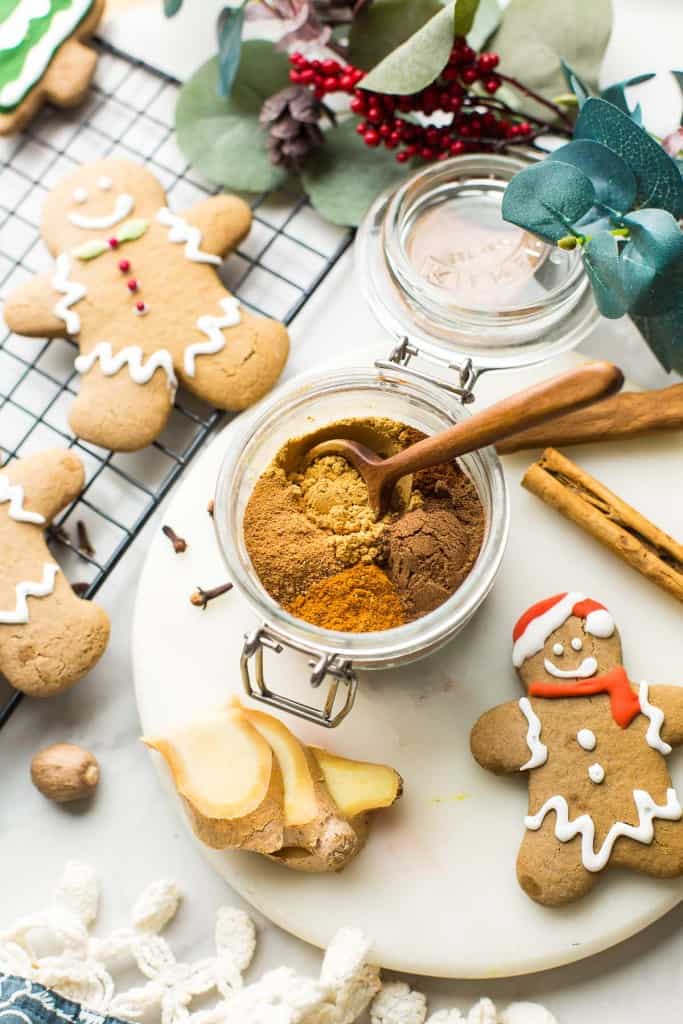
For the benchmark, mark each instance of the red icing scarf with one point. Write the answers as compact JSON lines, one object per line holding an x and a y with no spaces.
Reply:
{"x":623,"y":701}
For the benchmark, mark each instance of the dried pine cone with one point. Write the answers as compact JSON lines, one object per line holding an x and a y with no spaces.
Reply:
{"x":291,"y":117}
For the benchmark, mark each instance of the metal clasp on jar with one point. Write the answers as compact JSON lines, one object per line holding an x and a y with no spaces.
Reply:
{"x":468,"y":373}
{"x":338,"y":668}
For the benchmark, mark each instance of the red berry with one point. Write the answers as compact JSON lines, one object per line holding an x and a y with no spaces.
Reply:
{"x":469,"y":75}
{"x":457,"y":147}
{"x":317,"y":64}
{"x":318,"y":92}
{"x":403,"y":156}
{"x":467,"y":54}
{"x":371,"y":138}
{"x":503,"y":127}
{"x":405,"y":104}
{"x":124,"y":266}
{"x":346,"y":83}
{"x":330,"y":84}
{"x":444,"y":142}
{"x":357,"y":74}
{"x":362,"y":127}
{"x":374,"y":114}
{"x":113,"y":243}
{"x":475,"y":127}
{"x":464,"y":129}
{"x":430,"y":96}
{"x":426,"y":153}
{"x":488,"y":61}
{"x":443,"y":155}
{"x":433,"y":136}
{"x":524,"y":128}
{"x":454,"y":104}
{"x":449,"y":74}
{"x":394,"y":138}
{"x":306,"y":76}
{"x":331,"y":67}
{"x":358,"y":106}
{"x":132,"y":285}
{"x":297,"y":58}
{"x":513,"y":131}
{"x":492,"y":84}
{"x":411,"y":150}
{"x":294,"y":76}
{"x":391,"y":142}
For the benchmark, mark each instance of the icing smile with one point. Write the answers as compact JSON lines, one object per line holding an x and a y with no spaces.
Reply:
{"x":587,"y":668}
{"x":123,"y":207}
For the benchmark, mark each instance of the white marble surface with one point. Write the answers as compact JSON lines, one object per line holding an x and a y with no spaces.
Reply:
{"x":132,"y":834}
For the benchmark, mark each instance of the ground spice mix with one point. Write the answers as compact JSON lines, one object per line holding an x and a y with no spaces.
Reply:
{"x":316,"y":547}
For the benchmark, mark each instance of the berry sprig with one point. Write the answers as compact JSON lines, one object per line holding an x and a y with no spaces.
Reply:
{"x":465,"y":89}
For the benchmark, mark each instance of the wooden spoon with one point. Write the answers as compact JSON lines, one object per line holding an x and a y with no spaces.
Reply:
{"x":571,"y":390}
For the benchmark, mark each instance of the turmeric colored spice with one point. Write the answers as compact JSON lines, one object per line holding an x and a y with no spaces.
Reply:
{"x":358,"y":600}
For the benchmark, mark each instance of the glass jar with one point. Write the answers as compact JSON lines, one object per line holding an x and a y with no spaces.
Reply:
{"x":311,"y":402}
{"x":438,"y":265}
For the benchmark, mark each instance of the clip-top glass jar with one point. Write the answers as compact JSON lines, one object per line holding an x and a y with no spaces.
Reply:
{"x":413,"y":252}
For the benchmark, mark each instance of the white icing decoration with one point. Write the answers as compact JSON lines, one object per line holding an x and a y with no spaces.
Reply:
{"x":14,"y":494}
{"x":13,"y":30}
{"x":123,"y":206}
{"x":558,"y":650}
{"x":72,"y":291}
{"x":596,"y":773}
{"x":20,"y":614}
{"x":598,"y":623}
{"x":587,"y":668}
{"x":539,"y":751}
{"x":656,"y":716}
{"x":577,"y":643}
{"x":40,"y":55}
{"x":643,"y":832}
{"x":181,"y":231}
{"x":132,"y":356}
{"x":212,"y":326}
{"x":586,"y":739}
{"x":104,"y":183}
{"x":80,"y":195}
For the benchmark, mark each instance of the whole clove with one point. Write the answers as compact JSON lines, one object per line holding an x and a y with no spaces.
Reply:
{"x":200,"y":597}
{"x":210,"y":507}
{"x":179,"y":543}
{"x":83,"y":540}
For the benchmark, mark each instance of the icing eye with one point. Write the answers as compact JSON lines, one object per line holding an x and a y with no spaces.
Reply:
{"x":80,"y":195}
{"x":577,"y":644}
{"x":104,"y":184}
{"x":558,"y":649}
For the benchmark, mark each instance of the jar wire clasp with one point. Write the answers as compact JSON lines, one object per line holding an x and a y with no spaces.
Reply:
{"x":335,"y":666}
{"x":405,"y":350}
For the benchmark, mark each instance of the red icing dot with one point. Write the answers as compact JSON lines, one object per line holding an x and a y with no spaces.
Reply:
{"x":132,"y":285}
{"x":113,"y":243}
{"x":124,"y":266}
{"x":140,"y":306}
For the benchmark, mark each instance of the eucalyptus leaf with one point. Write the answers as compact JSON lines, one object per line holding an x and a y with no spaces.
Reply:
{"x":579,"y":88}
{"x":383,"y":25}
{"x":616,"y":94}
{"x":652,"y":262}
{"x":221,"y":136}
{"x":229,"y":32}
{"x":172,"y":7}
{"x":548,"y":198}
{"x":343,"y":176}
{"x":613,"y":180}
{"x":658,"y":180}
{"x":486,"y":21}
{"x":664,"y":335}
{"x":417,"y":61}
{"x":603,"y":267}
{"x":535,"y":34}
{"x":463,"y":16}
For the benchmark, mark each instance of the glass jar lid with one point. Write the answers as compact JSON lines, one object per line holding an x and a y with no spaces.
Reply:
{"x":439,"y":266}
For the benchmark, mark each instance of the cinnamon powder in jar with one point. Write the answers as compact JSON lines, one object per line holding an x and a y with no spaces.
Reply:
{"x":317,"y":549}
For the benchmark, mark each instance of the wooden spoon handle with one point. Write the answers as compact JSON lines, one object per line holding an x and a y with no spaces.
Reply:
{"x":571,"y":390}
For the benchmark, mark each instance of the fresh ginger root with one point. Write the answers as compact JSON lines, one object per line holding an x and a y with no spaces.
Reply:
{"x":248,"y":783}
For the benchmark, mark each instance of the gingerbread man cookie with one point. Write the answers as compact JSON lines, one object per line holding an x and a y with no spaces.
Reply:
{"x":593,"y":745}
{"x":49,"y":637}
{"x":42,"y":57}
{"x":137,"y":286}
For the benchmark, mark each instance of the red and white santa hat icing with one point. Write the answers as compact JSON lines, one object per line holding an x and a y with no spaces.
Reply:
{"x":534,"y":627}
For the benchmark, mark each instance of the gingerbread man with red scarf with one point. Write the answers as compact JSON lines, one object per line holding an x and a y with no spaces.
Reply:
{"x":593,"y":745}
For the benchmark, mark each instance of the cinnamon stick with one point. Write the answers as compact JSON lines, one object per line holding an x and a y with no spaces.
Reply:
{"x":628,"y":414}
{"x":559,"y":482}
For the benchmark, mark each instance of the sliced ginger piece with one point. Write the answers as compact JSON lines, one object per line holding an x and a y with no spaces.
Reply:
{"x":358,"y":786}
{"x":225,"y":772}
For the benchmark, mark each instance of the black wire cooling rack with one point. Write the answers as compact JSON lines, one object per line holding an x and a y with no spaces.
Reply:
{"x":129,"y":114}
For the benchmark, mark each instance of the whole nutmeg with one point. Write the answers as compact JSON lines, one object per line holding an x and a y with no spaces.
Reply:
{"x":65,"y":772}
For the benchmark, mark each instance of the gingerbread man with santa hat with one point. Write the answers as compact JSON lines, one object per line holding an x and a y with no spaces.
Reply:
{"x":593,"y":745}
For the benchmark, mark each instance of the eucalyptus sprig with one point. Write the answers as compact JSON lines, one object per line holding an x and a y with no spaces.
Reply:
{"x":617,"y":195}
